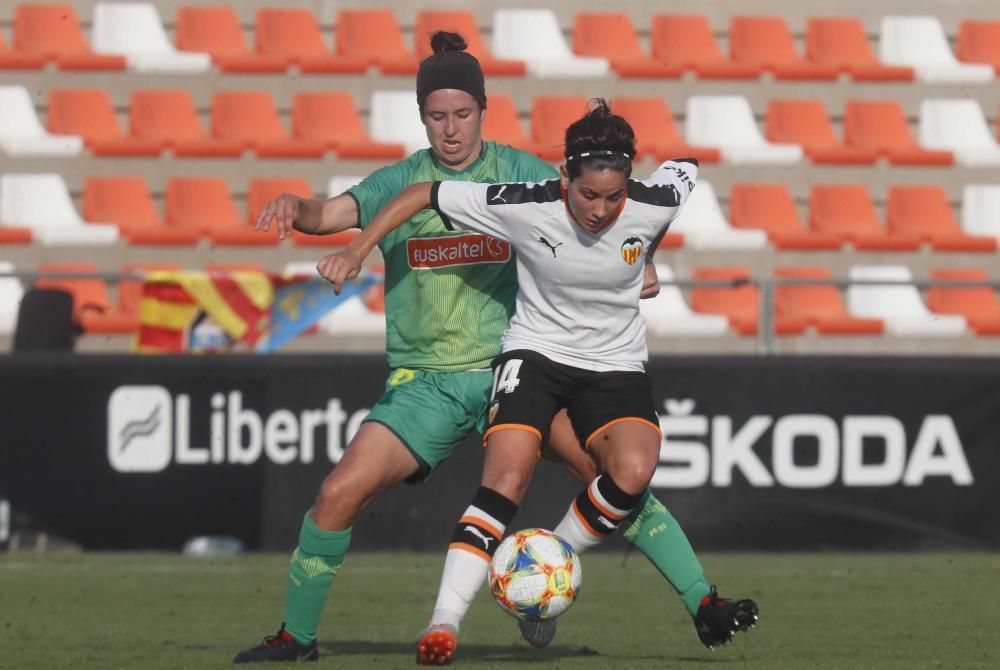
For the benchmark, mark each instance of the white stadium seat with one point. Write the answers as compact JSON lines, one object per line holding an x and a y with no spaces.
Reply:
{"x":669,"y":314}
{"x":958,"y":125}
{"x":534,"y":36}
{"x":134,"y":30}
{"x":920,"y":42}
{"x":704,"y":226}
{"x":981,"y":210}
{"x":395,"y":118}
{"x":22,"y":134}
{"x":11,"y":293}
{"x":338,"y":185}
{"x":899,"y":306}
{"x":727,"y":123}
{"x":42,"y":203}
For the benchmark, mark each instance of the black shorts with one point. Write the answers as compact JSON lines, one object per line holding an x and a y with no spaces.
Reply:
{"x":528,"y":390}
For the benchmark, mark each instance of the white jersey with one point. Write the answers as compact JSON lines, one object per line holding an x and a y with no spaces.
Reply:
{"x":578,"y":294}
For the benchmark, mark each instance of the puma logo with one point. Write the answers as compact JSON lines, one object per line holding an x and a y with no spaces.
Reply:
{"x":604,"y":521}
{"x":485,"y":538}
{"x":499,"y":195}
{"x":551,"y":248}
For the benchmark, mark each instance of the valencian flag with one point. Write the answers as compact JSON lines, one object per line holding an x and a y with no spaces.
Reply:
{"x":258,"y":310}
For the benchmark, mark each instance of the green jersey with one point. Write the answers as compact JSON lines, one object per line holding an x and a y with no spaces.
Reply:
{"x":449,"y":295}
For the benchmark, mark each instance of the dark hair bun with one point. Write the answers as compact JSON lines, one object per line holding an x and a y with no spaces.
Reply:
{"x":442,"y":41}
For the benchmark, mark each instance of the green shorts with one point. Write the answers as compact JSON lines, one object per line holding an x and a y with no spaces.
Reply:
{"x":432,"y":412}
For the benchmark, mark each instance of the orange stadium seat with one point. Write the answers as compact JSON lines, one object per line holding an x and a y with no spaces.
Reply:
{"x":979,"y":42}
{"x":769,"y":207}
{"x":294,"y":35}
{"x":797,"y":306}
{"x":842,"y":43}
{"x":216,"y":30}
{"x":90,"y":295}
{"x":90,"y":114}
{"x":374,"y":37}
{"x":251,"y":118}
{"x":329,"y":118}
{"x":205,"y":204}
{"x":846,"y":211}
{"x":503,"y":125}
{"x":978,"y":304}
{"x":882,"y":126}
{"x":765,"y":42}
{"x":261,"y":191}
{"x":738,"y":303}
{"x":53,"y":33}
{"x":12,"y":60}
{"x":611,"y":35}
{"x":924,"y":212}
{"x":805,"y":122}
{"x":550,"y":116}
{"x":464,"y":23}
{"x":655,"y":131}
{"x":127,"y":203}
{"x":14,"y":235}
{"x":169,"y":116}
{"x":686,"y":41}
{"x":233,"y":267}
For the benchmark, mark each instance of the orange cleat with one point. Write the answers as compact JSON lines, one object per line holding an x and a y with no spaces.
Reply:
{"x":436,"y":644}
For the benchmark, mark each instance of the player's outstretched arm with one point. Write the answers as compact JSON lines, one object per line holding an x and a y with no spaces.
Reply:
{"x":342,"y":265}
{"x":289,"y":212}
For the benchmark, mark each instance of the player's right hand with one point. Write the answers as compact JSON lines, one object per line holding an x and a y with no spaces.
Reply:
{"x":282,"y":211}
{"x":340,"y":266}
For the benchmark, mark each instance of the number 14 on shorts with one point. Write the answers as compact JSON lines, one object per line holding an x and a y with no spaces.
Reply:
{"x":505,"y":378}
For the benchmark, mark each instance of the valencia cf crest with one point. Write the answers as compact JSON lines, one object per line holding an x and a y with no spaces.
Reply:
{"x":494,"y":408}
{"x":631,"y":250}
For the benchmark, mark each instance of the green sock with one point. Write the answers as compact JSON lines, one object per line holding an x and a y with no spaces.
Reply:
{"x":654,"y":531}
{"x":316,"y":560}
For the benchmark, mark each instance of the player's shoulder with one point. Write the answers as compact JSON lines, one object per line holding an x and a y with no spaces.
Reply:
{"x":524,"y":193}
{"x":664,"y":187}
{"x":526,"y":166}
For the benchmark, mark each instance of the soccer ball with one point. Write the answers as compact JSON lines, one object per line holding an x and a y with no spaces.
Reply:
{"x":535,"y":575}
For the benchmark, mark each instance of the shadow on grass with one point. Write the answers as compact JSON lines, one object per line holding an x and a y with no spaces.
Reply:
{"x":479,"y":652}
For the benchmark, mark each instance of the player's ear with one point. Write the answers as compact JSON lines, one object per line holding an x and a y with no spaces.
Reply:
{"x":563,"y":177}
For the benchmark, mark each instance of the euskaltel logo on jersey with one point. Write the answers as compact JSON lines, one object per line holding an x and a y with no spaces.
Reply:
{"x":428,"y":253}
{"x":631,"y":250}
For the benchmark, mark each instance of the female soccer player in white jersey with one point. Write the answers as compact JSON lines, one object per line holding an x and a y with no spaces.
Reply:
{"x":576,"y":340}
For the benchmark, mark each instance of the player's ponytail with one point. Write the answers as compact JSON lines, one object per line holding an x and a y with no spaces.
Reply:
{"x":443,"y":40}
{"x":600,"y":140}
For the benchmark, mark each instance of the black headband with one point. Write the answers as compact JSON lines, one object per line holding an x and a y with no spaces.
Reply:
{"x":597,"y":152}
{"x":451,"y":69}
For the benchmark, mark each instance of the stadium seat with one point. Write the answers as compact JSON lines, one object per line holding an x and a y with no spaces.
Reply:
{"x":958,"y":125}
{"x":978,"y":304}
{"x":769,"y":207}
{"x":503,"y":124}
{"x":979,"y":42}
{"x":704,"y":226}
{"x":924,"y":212}
{"x":336,"y":186}
{"x":981,"y":210}
{"x":920,"y":42}
{"x":612,"y":36}
{"x":88,"y":113}
{"x":262,"y":190}
{"x":21,"y":134}
{"x":842,"y":43}
{"x":655,"y":131}
{"x":205,"y":204}
{"x":727,"y":123}
{"x":11,"y":293}
{"x":464,"y":23}
{"x":250,"y":117}
{"x":293,"y":35}
{"x":766,"y":42}
{"x":550,"y":116}
{"x":797,"y":306}
{"x":846,"y":211}
{"x":669,"y":314}
{"x":216,"y":30}
{"x":898,"y":305}
{"x":804,"y":122}
{"x":41,"y":202}
{"x":127,"y":203}
{"x":534,"y":36}
{"x":52,"y":33}
{"x":880,"y":125}
{"x":329,"y":118}
{"x":134,"y":30}
{"x":739,"y":302}
{"x":169,"y":116}
{"x":686,"y":41}
{"x":395,"y":119}
{"x":12,"y":60}
{"x":90,"y":295}
{"x":374,"y":37}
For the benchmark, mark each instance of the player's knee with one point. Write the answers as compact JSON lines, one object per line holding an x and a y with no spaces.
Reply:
{"x":632,"y":472}
{"x":336,"y":501}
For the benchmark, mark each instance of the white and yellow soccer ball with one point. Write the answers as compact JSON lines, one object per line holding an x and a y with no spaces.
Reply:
{"x":535,"y":575}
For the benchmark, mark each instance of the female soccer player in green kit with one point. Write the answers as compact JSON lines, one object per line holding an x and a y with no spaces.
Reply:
{"x":449,"y":297}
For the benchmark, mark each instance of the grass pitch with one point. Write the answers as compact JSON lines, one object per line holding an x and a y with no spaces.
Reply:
{"x":138,"y":611}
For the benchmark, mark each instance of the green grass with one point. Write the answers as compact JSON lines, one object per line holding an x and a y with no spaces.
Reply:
{"x":137,"y":611}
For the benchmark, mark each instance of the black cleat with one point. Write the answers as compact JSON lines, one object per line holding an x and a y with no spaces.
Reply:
{"x":279,"y":648}
{"x":718,"y":619}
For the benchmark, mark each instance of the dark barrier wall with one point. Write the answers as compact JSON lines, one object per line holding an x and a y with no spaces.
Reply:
{"x":759,"y":453}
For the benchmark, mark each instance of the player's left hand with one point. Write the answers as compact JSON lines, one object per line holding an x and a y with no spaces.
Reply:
{"x":340,"y":266}
{"x":650,"y":282}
